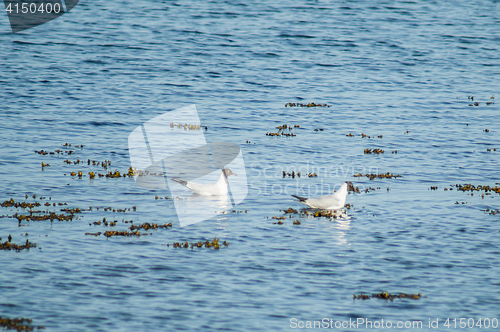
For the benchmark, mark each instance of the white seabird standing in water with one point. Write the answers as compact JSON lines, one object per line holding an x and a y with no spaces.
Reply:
{"x":334,"y":201}
{"x":217,"y":189}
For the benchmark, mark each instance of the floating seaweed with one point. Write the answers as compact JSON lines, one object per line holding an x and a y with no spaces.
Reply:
{"x":58,"y":151}
{"x":94,"y":234}
{"x":281,"y":131}
{"x":281,"y":134}
{"x":285,"y":126}
{"x":279,"y":220}
{"x":48,"y":216}
{"x":379,"y":176}
{"x":492,"y":211}
{"x":104,"y":222}
{"x":298,"y":174}
{"x":472,"y":188}
{"x":215,"y":244}
{"x":109,"y":208}
{"x":180,"y":245}
{"x":361,"y":297}
{"x":24,"y":205}
{"x":115,"y":174}
{"x":8,"y":245}
{"x":306,"y":105}
{"x":317,"y":214}
{"x":363,"y":135}
{"x":476,"y":103}
{"x":18,"y":324}
{"x":374,"y":151}
{"x":292,"y":175}
{"x":186,"y":126}
{"x":104,"y":163}
{"x":72,"y":211}
{"x":239,"y":211}
{"x":121,"y":233}
{"x":138,"y":172}
{"x":324,"y":213}
{"x":366,"y":190}
{"x":110,"y":174}
{"x":290,"y":210}
{"x":387,"y":296}
{"x":147,"y":226}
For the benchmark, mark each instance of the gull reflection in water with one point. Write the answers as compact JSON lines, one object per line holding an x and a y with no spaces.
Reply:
{"x":341,"y":222}
{"x":195,"y":208}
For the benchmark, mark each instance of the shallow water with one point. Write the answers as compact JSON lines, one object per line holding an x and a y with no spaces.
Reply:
{"x":95,"y":74}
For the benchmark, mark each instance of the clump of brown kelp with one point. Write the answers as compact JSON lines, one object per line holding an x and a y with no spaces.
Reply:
{"x":387,"y":296}
{"x":18,"y":324}
{"x":208,"y":244}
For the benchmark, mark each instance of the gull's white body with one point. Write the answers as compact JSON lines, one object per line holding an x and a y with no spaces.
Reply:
{"x":217,"y":189}
{"x":335,"y":201}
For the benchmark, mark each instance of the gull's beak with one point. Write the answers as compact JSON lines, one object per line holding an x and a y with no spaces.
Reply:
{"x":234,"y":174}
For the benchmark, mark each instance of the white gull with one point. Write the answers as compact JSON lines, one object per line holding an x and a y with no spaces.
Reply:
{"x":217,"y":189}
{"x":335,"y":201}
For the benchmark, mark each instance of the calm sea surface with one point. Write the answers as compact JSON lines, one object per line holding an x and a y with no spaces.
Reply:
{"x":400,"y":69}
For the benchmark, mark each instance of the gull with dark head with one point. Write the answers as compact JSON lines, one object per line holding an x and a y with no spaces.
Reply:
{"x":217,"y":189}
{"x":334,"y":201}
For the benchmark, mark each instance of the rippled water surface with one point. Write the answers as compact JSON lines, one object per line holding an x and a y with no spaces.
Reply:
{"x":402,"y":70}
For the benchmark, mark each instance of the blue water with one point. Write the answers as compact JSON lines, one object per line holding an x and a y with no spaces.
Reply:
{"x":385,"y":67}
